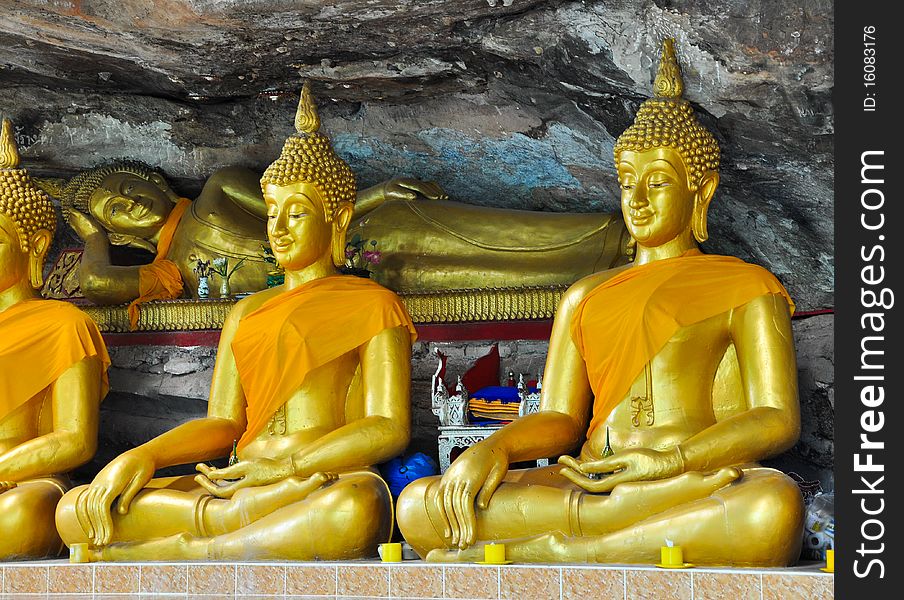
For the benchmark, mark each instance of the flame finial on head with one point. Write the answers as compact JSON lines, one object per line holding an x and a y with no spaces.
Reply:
{"x":306,"y":118}
{"x":308,"y":156}
{"x":9,"y":154}
{"x":668,"y":82}
{"x":667,"y":121}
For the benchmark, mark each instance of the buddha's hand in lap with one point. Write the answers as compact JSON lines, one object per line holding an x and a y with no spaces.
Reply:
{"x":475,"y":474}
{"x":223,"y":483}
{"x":404,"y":188}
{"x":5,"y":486}
{"x":123,"y":477}
{"x":634,"y":464}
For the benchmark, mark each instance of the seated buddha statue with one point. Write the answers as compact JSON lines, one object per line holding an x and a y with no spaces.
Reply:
{"x":52,"y":372}
{"x":127,"y":203}
{"x":677,"y":373}
{"x":312,"y":380}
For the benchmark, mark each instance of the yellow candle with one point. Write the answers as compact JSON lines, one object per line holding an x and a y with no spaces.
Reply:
{"x":671,"y":555}
{"x":391,"y":552}
{"x":78,"y":553}
{"x":494,"y":553}
{"x":830,"y":561}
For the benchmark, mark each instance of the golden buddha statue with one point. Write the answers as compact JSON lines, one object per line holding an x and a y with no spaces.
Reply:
{"x":426,"y":246}
{"x":127,"y":203}
{"x":312,"y":378}
{"x":52,"y":372}
{"x":685,"y":359}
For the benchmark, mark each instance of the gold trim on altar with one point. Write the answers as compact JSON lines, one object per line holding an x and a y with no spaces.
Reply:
{"x":448,"y":306}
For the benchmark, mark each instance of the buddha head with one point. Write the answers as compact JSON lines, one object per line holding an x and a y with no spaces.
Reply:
{"x":27,"y":219}
{"x":667,"y":163}
{"x":129,"y":199}
{"x":310,"y":194}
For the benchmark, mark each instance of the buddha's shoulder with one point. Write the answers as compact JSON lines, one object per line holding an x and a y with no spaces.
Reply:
{"x":251,"y":303}
{"x":579,"y":289}
{"x":59,"y":313}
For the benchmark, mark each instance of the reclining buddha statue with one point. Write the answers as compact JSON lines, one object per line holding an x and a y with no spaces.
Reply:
{"x":53,"y":366}
{"x":312,"y":380}
{"x":427,"y":245}
{"x":127,"y":203}
{"x":677,"y":373}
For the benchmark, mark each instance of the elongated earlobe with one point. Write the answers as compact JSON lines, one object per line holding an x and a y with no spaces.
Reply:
{"x":341,"y":221}
{"x":40,"y":243}
{"x":702,"y":197}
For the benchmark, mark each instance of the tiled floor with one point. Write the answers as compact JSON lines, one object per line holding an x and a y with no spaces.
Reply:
{"x":411,"y":579}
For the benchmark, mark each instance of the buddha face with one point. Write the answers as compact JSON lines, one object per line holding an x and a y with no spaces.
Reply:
{"x":128,"y":204}
{"x":657,"y":200}
{"x":299,"y":233}
{"x":13,"y":261}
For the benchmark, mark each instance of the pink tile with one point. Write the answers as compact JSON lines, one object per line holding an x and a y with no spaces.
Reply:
{"x":416,"y":582}
{"x":658,"y":585}
{"x":310,"y":580}
{"x":260,"y":579}
{"x":211,"y":579}
{"x":605,"y":583}
{"x":471,"y":582}
{"x":540,"y":583}
{"x":366,"y":580}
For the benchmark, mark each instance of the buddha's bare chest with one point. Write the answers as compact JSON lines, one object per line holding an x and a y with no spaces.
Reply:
{"x":671,"y":398}
{"x":320,"y":405}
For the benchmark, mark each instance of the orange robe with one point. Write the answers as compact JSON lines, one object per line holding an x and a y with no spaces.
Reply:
{"x":160,"y":280}
{"x":39,"y":340}
{"x":625,"y":321}
{"x":292,"y":334}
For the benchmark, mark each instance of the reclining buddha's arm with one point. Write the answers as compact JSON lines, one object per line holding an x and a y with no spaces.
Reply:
{"x":100,"y":280}
{"x":75,"y":397}
{"x":242,"y":187}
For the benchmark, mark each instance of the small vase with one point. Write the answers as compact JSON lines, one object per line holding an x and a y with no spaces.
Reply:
{"x":203,"y":288}
{"x":225,"y":291}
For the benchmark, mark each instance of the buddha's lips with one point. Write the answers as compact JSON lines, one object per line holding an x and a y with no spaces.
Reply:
{"x":641,"y":219}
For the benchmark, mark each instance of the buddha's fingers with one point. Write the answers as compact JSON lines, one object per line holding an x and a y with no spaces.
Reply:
{"x":218,"y":491}
{"x":597,"y":486}
{"x":125,"y":498}
{"x":570,"y":462}
{"x":440,"y":508}
{"x":99,"y":503}
{"x":464,"y":501}
{"x":81,"y":513}
{"x":492,"y":483}
{"x":449,"y":506}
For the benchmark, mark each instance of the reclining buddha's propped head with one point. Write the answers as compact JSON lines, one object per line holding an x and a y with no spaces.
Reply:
{"x":128,"y":198}
{"x":665,"y":142}
{"x":27,"y":219}
{"x":310,"y":194}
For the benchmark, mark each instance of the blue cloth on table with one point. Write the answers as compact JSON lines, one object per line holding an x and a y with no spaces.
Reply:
{"x":502,"y":393}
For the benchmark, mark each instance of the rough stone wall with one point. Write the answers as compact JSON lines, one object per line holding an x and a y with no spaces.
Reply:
{"x":153,"y":389}
{"x":510,"y":103}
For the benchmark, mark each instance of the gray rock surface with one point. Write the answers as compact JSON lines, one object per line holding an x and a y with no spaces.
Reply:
{"x":510,"y":103}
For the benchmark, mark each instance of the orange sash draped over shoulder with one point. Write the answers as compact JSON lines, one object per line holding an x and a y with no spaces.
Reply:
{"x":625,"y":321}
{"x":39,"y":340}
{"x":292,"y":334}
{"x":160,"y":280}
